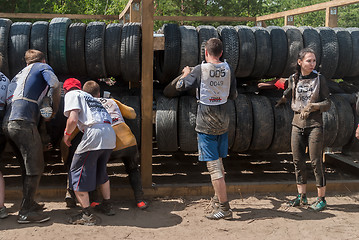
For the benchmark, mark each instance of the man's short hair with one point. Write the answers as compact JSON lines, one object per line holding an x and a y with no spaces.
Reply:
{"x":214,"y":47}
{"x":33,"y":56}
{"x":91,"y":87}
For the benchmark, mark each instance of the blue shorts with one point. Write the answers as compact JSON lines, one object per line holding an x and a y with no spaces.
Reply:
{"x":212,"y":147}
{"x":89,"y":169}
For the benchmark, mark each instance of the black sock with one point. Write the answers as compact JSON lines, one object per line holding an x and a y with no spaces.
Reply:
{"x":322,"y":198}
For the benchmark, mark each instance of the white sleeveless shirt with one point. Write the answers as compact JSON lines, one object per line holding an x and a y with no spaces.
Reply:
{"x":215,"y":83}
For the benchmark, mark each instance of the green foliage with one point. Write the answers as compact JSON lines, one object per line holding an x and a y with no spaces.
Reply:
{"x":347,"y":15}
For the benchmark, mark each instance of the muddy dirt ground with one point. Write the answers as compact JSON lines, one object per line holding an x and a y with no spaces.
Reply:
{"x":256,"y":216}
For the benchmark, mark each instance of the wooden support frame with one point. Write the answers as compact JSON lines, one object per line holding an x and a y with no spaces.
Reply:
{"x":147,"y":92}
{"x":331,"y":17}
{"x":308,"y":9}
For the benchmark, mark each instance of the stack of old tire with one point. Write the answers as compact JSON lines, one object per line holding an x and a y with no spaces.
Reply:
{"x":97,"y":50}
{"x":254,"y":53}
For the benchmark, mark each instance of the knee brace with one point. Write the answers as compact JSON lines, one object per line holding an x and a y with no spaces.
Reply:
{"x":215,"y":169}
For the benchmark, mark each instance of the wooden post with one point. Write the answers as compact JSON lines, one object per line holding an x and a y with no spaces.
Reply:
{"x":147,"y":92}
{"x":261,"y":24}
{"x":288,"y":20}
{"x":135,"y":14}
{"x":331,"y":17}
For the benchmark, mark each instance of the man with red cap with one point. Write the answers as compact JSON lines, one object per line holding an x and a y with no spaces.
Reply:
{"x":25,"y":96}
{"x":88,"y":167}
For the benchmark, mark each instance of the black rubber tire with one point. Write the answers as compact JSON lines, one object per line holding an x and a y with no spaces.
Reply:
{"x":345,"y":52}
{"x":189,"y":47}
{"x":263,"y":123}
{"x":95,"y":49}
{"x":354,"y":66}
{"x":345,"y":121}
{"x":311,"y":39}
{"x":76,"y":60}
{"x":166,"y":124}
{"x":167,"y":61}
{"x":134,"y":124}
{"x":279,"y":43}
{"x":283,"y":116}
{"x":113,"y":49}
{"x":186,"y":124}
{"x":330,"y":124}
{"x":263,"y":52}
{"x":295,"y":44}
{"x":38,"y":36}
{"x":244,"y":123}
{"x":247,"y":51}
{"x":205,"y":32}
{"x":57,"y":37}
{"x":5,"y":25}
{"x":330,"y":51}
{"x":130,"y":63}
{"x":19,"y":43}
{"x":170,"y":90}
{"x":232,"y":123}
{"x":230,"y":41}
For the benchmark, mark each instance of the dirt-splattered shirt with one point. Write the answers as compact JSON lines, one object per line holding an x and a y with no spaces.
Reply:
{"x":211,"y":119}
{"x":319,"y":95}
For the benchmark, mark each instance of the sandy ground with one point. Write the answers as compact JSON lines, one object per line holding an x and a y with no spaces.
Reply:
{"x":255,"y":217}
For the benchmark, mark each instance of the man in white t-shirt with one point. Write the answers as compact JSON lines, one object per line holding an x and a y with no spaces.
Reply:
{"x":88,"y":167}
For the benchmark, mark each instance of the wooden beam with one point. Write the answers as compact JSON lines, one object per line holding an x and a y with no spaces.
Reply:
{"x":289,"y":20}
{"x":307,"y":9}
{"x":180,"y":190}
{"x":147,"y":92}
{"x":344,"y":162}
{"x":158,"y":42}
{"x":205,"y":18}
{"x":49,"y":16}
{"x":125,"y":10}
{"x":331,"y":17}
{"x":135,"y":12}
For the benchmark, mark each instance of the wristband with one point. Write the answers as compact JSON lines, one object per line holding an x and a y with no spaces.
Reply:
{"x":66,"y":133}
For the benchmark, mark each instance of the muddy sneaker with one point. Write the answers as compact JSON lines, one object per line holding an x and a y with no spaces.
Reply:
{"x":32,"y":217}
{"x":318,"y":205}
{"x":141,"y":204}
{"x":106,"y":208}
{"x":45,"y":108}
{"x":222,"y":212}
{"x":299,"y":200}
{"x":217,"y":214}
{"x":83,"y":219}
{"x":3,"y":213}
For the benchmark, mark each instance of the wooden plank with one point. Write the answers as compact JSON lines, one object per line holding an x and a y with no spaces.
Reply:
{"x":179,"y":190}
{"x":345,"y":162}
{"x":147,"y":92}
{"x":331,"y":17}
{"x":125,"y":10}
{"x":49,"y":16}
{"x":307,"y":9}
{"x":205,"y":18}
{"x":135,"y":14}
{"x":158,"y":42}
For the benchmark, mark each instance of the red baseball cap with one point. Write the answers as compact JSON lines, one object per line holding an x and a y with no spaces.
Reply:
{"x":72,"y":83}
